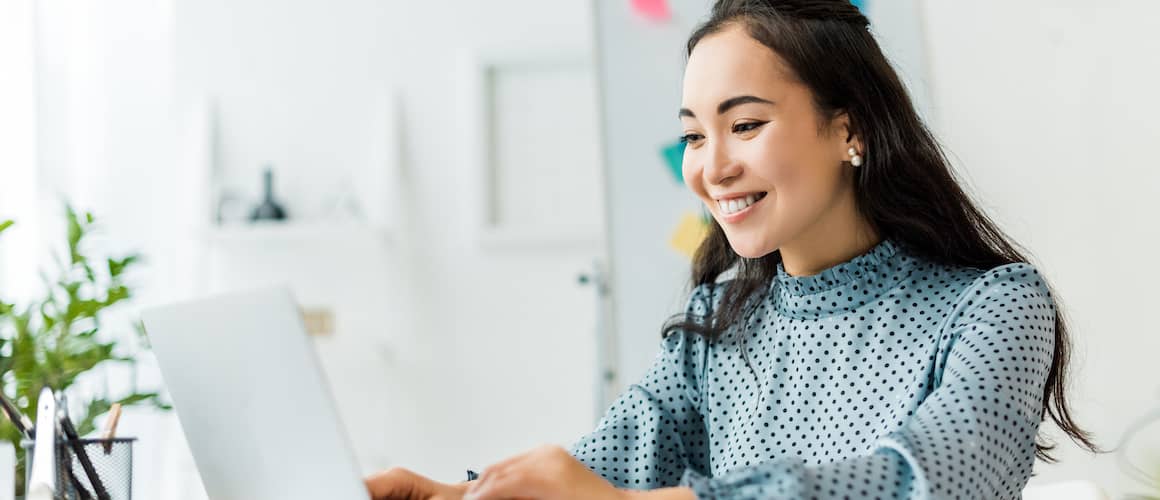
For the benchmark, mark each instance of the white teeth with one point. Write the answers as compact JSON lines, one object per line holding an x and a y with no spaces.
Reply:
{"x":737,"y":204}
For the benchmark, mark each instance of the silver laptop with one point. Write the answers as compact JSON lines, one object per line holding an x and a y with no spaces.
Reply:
{"x":252,"y":399}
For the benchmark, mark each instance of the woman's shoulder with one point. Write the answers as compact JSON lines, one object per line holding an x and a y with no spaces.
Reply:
{"x":966,"y":281}
{"x":1015,"y":286}
{"x":1004,"y":278}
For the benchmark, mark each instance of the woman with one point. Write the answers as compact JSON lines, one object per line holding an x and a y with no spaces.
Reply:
{"x":859,"y":329}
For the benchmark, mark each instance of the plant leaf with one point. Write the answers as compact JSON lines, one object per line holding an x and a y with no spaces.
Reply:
{"x":75,"y":233}
{"x":117,"y":266}
{"x":55,"y":339}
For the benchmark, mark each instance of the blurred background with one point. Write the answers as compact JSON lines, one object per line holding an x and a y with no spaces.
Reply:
{"x":476,"y":206}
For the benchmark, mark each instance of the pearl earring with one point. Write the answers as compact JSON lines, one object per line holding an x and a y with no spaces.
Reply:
{"x":855,"y":158}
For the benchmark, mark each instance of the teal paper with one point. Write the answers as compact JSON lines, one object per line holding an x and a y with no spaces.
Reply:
{"x":674,"y":155}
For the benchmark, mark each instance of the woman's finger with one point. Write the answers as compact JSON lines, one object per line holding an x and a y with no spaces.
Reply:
{"x":499,"y":469}
{"x":495,"y":468}
{"x":515,"y":481}
{"x":397,"y":483}
{"x":526,"y":475}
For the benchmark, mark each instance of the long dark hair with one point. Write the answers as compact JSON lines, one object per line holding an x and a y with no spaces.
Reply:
{"x":905,"y":188}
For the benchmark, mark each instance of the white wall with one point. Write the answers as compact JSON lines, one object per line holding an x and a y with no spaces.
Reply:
{"x":18,"y":150}
{"x":446,"y":356}
{"x":1049,"y":108}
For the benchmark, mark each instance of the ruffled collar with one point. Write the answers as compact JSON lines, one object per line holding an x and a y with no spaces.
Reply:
{"x":845,"y":286}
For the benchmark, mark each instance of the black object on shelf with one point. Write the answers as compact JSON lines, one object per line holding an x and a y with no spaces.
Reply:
{"x":269,"y":209}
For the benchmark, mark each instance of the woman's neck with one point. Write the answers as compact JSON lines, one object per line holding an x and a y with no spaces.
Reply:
{"x":840,"y":235}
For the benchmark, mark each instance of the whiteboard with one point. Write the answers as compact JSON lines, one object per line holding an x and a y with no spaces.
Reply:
{"x":639,"y":66}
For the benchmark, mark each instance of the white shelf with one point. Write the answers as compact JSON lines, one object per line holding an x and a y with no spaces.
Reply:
{"x":296,"y":232}
{"x":517,"y":238}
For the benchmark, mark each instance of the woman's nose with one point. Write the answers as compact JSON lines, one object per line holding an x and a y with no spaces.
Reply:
{"x":721,"y":168}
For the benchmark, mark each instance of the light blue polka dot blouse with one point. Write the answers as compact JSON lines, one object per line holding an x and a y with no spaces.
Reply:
{"x":886,"y":376}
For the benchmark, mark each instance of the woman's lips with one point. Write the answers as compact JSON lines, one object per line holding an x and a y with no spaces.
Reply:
{"x":740,"y":207}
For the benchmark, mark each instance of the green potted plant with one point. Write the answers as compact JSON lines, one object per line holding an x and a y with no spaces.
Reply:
{"x":56,"y":339}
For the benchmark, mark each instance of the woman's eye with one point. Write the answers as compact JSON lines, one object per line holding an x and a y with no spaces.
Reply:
{"x":687,"y":138}
{"x":746,"y":127}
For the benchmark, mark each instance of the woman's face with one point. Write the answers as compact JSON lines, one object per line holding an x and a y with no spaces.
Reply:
{"x":757,"y":152}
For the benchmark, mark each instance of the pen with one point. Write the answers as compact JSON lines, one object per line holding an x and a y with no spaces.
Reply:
{"x":70,"y":434}
{"x":80,"y":488}
{"x":21,"y":422}
{"x":111,"y":427}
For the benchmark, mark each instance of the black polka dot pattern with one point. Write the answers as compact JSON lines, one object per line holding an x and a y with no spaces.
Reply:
{"x":886,"y":376}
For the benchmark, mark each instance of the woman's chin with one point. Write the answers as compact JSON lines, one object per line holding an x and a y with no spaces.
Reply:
{"x":752,"y":248}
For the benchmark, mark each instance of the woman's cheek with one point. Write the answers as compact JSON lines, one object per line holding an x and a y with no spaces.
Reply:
{"x":780,"y":174}
{"x":691,"y":173}
{"x":773,"y":158}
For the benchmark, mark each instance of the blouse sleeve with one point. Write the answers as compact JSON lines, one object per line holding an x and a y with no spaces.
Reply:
{"x":972,"y":437}
{"x":654,"y":432}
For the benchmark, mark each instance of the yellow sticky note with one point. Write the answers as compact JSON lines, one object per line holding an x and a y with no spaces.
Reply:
{"x":689,"y":234}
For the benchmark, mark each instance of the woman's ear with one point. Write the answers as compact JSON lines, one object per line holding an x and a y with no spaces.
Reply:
{"x":844,"y":135}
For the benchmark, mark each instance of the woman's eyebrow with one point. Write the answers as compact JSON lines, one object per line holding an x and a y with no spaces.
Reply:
{"x":728,"y":104}
{"x":739,"y":100}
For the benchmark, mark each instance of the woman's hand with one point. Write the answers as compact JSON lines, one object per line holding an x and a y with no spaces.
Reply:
{"x":548,"y":473}
{"x":402,"y":484}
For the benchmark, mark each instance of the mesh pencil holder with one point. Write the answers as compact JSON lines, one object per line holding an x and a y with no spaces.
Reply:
{"x":112,"y":461}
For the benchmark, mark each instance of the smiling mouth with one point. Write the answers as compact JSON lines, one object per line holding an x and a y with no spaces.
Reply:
{"x":729,"y":207}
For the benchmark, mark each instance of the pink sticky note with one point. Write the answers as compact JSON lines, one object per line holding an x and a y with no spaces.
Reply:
{"x":654,"y":10}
